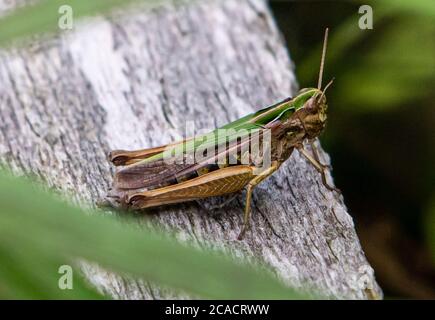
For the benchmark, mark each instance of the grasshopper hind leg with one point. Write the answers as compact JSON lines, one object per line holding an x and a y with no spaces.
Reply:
{"x":215,"y":183}
{"x":251,"y":185}
{"x":247,"y":214}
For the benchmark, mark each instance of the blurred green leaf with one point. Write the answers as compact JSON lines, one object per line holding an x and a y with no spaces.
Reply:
{"x":43,"y":16}
{"x":26,"y":272}
{"x":419,"y":7}
{"x":39,"y":232}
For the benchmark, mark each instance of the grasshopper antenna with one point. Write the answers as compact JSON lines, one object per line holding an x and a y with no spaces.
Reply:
{"x":322,"y":61}
{"x":326,"y":87}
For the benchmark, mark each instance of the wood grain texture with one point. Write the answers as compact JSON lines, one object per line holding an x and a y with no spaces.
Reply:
{"x":132,"y":82}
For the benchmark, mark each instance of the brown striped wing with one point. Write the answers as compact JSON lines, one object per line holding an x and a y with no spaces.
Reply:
{"x":160,"y":173}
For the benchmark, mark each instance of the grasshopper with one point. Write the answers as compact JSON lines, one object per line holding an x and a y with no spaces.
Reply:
{"x":146,"y":179}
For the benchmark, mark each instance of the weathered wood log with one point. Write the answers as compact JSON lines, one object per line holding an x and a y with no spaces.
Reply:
{"x":132,"y":82}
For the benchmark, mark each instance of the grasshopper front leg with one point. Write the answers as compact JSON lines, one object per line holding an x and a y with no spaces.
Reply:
{"x":315,"y":161}
{"x":251,"y":186}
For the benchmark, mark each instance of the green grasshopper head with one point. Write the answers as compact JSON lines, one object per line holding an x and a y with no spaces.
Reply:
{"x":310,"y":109}
{"x":312,"y":113}
{"x":313,"y":110}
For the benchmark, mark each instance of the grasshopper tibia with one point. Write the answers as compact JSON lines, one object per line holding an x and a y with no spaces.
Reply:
{"x":315,"y":161}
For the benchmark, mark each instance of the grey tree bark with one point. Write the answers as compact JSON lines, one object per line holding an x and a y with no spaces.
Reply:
{"x":133,"y":81}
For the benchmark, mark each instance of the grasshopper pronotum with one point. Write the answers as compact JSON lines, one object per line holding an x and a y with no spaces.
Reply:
{"x":151,"y":177}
